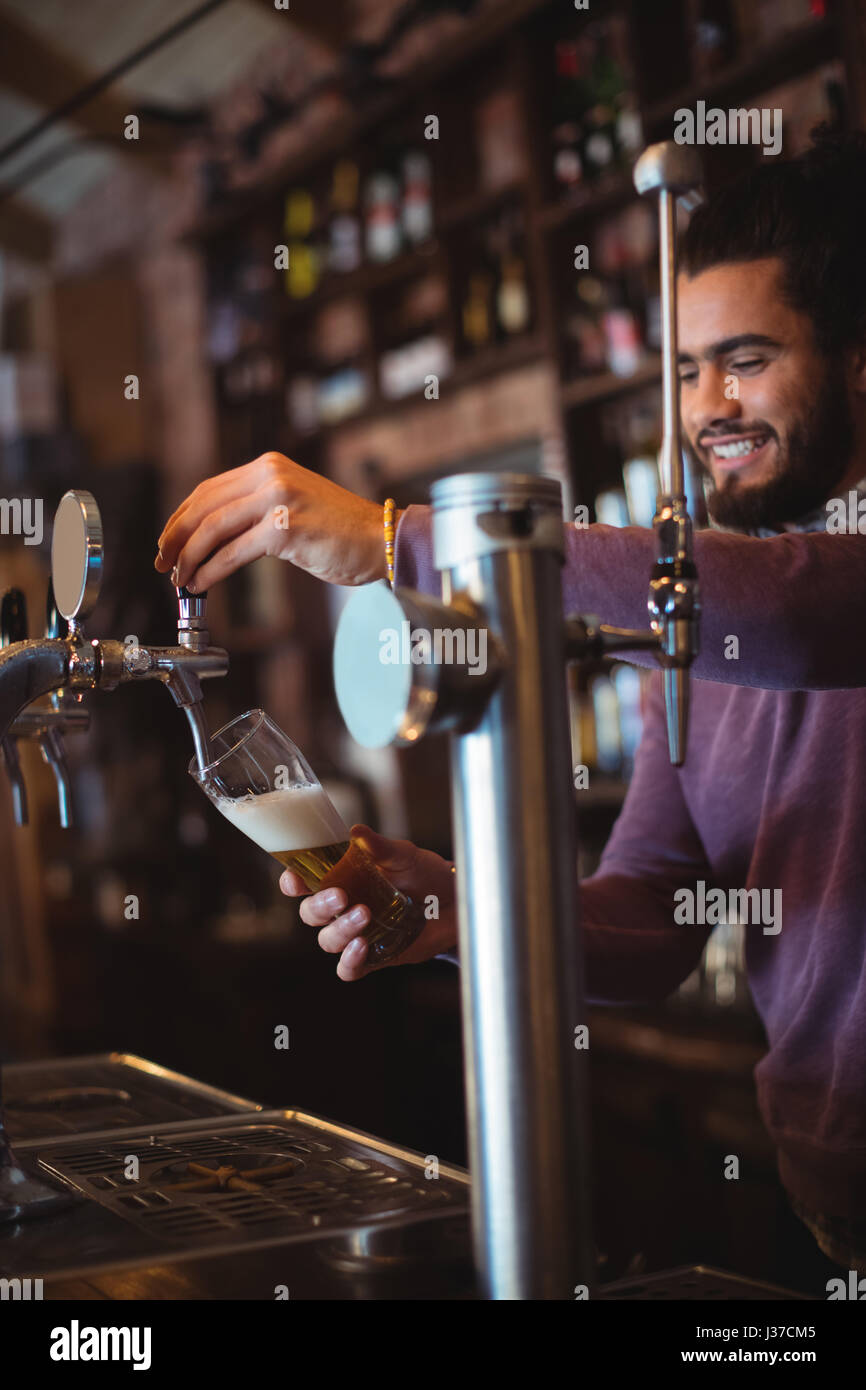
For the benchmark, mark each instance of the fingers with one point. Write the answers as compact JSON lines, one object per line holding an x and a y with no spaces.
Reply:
{"x":246,"y":534}
{"x":340,"y":935}
{"x":351,"y":965}
{"x":337,"y":935}
{"x":292,"y":884}
{"x":197,"y":535}
{"x":208,"y":496}
{"x":214,"y":494}
{"x":326,"y":910}
{"x":317,"y":908}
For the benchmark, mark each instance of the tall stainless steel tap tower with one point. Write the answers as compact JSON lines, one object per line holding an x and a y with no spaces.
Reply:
{"x":499,"y":546}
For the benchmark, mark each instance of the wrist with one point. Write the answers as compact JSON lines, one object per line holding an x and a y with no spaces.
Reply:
{"x":377,"y":541}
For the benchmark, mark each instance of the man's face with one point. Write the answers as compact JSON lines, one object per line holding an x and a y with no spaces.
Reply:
{"x":767,"y":417}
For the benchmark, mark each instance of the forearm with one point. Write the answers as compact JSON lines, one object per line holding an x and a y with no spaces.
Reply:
{"x":634,"y":953}
{"x":794,"y":603}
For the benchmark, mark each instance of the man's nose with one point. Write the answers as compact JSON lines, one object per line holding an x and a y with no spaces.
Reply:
{"x":712,"y":401}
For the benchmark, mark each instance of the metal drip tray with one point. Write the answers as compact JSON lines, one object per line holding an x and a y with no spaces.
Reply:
{"x":283,"y":1179}
{"x":112,"y":1091}
{"x":233,"y":1209}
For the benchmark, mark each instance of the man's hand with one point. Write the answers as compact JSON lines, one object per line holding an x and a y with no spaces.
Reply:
{"x":272,"y":506}
{"x":418,"y":872}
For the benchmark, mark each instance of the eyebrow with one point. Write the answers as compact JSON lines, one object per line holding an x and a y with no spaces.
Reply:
{"x":728,"y":345}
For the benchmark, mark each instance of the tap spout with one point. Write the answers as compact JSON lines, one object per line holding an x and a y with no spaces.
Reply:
{"x":16,"y":780}
{"x":28,"y":670}
{"x":53,"y":753}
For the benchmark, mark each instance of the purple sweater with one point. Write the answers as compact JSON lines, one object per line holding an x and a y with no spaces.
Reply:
{"x":772,"y":796}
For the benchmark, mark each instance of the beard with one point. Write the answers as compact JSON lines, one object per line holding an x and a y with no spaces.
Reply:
{"x":815,"y":458}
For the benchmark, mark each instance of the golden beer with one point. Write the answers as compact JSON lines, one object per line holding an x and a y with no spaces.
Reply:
{"x":303,"y":831}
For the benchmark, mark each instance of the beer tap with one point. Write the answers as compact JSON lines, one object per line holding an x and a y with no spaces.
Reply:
{"x":498,"y":544}
{"x":673,"y":172}
{"x":13,"y":628}
{"x":63,"y":664}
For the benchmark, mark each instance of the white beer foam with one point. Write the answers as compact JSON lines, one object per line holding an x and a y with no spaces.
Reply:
{"x":291,"y":818}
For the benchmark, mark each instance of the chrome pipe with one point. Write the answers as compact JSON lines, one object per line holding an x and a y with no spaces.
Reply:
{"x":498,"y":540}
{"x":671,"y":453}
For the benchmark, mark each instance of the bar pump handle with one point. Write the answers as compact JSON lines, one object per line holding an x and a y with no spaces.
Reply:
{"x":185,"y":593}
{"x":192,"y":629}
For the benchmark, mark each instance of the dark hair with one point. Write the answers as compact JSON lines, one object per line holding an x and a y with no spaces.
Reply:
{"x":811,"y":212}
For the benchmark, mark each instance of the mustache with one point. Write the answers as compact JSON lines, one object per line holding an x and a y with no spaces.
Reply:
{"x":759,"y":427}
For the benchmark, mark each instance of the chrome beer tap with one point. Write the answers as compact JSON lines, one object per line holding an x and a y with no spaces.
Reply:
{"x":63,"y":664}
{"x":44,"y":721}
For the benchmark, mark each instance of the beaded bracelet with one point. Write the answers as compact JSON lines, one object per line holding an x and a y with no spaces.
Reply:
{"x":390,"y":532}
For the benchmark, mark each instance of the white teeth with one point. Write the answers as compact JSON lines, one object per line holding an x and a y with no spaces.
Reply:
{"x":733,"y":451}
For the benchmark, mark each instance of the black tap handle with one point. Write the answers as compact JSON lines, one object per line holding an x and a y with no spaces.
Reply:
{"x":13,"y":617}
{"x":185,"y":594}
{"x":55,"y":625}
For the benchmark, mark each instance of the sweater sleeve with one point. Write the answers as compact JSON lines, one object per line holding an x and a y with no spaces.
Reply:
{"x":634,"y":950}
{"x":795,"y":603}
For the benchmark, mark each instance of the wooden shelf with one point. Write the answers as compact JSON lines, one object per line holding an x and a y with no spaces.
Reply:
{"x":606,"y":385}
{"x":373,"y":275}
{"x":693,"y":1044}
{"x":478,"y":205}
{"x":498,"y":358}
{"x":367,"y":278}
{"x":588,"y":200}
{"x":788,"y":57}
{"x":491,"y":361}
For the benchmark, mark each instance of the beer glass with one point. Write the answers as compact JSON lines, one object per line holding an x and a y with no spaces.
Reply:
{"x":261,"y":782}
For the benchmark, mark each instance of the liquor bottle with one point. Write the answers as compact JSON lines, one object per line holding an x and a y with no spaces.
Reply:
{"x":383,"y":234}
{"x":713,"y":40}
{"x":570,"y":100}
{"x":512,"y":297}
{"x":344,"y":232}
{"x":584,"y":326}
{"x":640,"y":470}
{"x":478,"y":310}
{"x":302,"y":273}
{"x":417,"y":198}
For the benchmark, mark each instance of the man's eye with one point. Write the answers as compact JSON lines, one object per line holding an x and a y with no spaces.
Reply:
{"x":688,"y":375}
{"x":747,"y":364}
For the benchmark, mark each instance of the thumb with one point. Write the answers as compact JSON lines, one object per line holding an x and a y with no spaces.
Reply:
{"x":392,"y":856}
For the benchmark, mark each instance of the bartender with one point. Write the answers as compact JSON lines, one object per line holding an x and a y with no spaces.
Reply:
{"x":772,"y":331}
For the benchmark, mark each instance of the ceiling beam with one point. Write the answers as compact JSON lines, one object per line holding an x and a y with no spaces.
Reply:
{"x":25,"y":232}
{"x":329,"y":21}
{"x":32,"y":67}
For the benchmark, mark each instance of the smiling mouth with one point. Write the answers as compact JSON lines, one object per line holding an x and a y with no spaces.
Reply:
{"x":729,"y":453}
